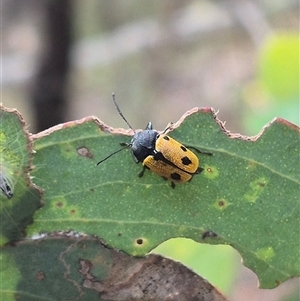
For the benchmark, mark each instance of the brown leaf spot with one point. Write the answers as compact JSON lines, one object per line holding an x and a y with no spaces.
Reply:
{"x":86,"y":266}
{"x":40,"y":275}
{"x":83,"y":151}
{"x":59,"y":204}
{"x":221,"y":203}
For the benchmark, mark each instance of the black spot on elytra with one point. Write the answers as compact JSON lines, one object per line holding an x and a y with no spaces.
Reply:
{"x":186,"y":161}
{"x":183,"y":148}
{"x":166,"y":138}
{"x":175,"y":176}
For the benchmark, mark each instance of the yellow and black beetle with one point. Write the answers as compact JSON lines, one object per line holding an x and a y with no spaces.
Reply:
{"x":161,"y":154}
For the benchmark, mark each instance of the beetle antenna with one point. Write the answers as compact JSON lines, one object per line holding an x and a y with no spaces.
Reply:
{"x":119,"y":111}
{"x":112,"y":154}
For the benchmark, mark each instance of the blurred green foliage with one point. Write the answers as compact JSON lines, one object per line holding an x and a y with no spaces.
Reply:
{"x":279,"y":67}
{"x":211,"y":262}
{"x":275,"y":90}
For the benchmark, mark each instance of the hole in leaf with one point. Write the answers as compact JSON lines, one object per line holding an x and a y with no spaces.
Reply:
{"x":139,"y":241}
{"x":209,"y":234}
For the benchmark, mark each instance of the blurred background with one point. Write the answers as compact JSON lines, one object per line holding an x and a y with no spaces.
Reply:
{"x":62,"y":59}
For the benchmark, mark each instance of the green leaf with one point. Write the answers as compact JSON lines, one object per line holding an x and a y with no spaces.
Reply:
{"x":73,"y":267}
{"x":19,"y":198}
{"x":247,"y":196}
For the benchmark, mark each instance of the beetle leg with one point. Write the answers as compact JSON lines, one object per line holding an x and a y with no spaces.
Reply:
{"x":142,"y":172}
{"x":199,"y":151}
{"x":168,"y":127}
{"x":199,"y":170}
{"x":173,"y":185}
